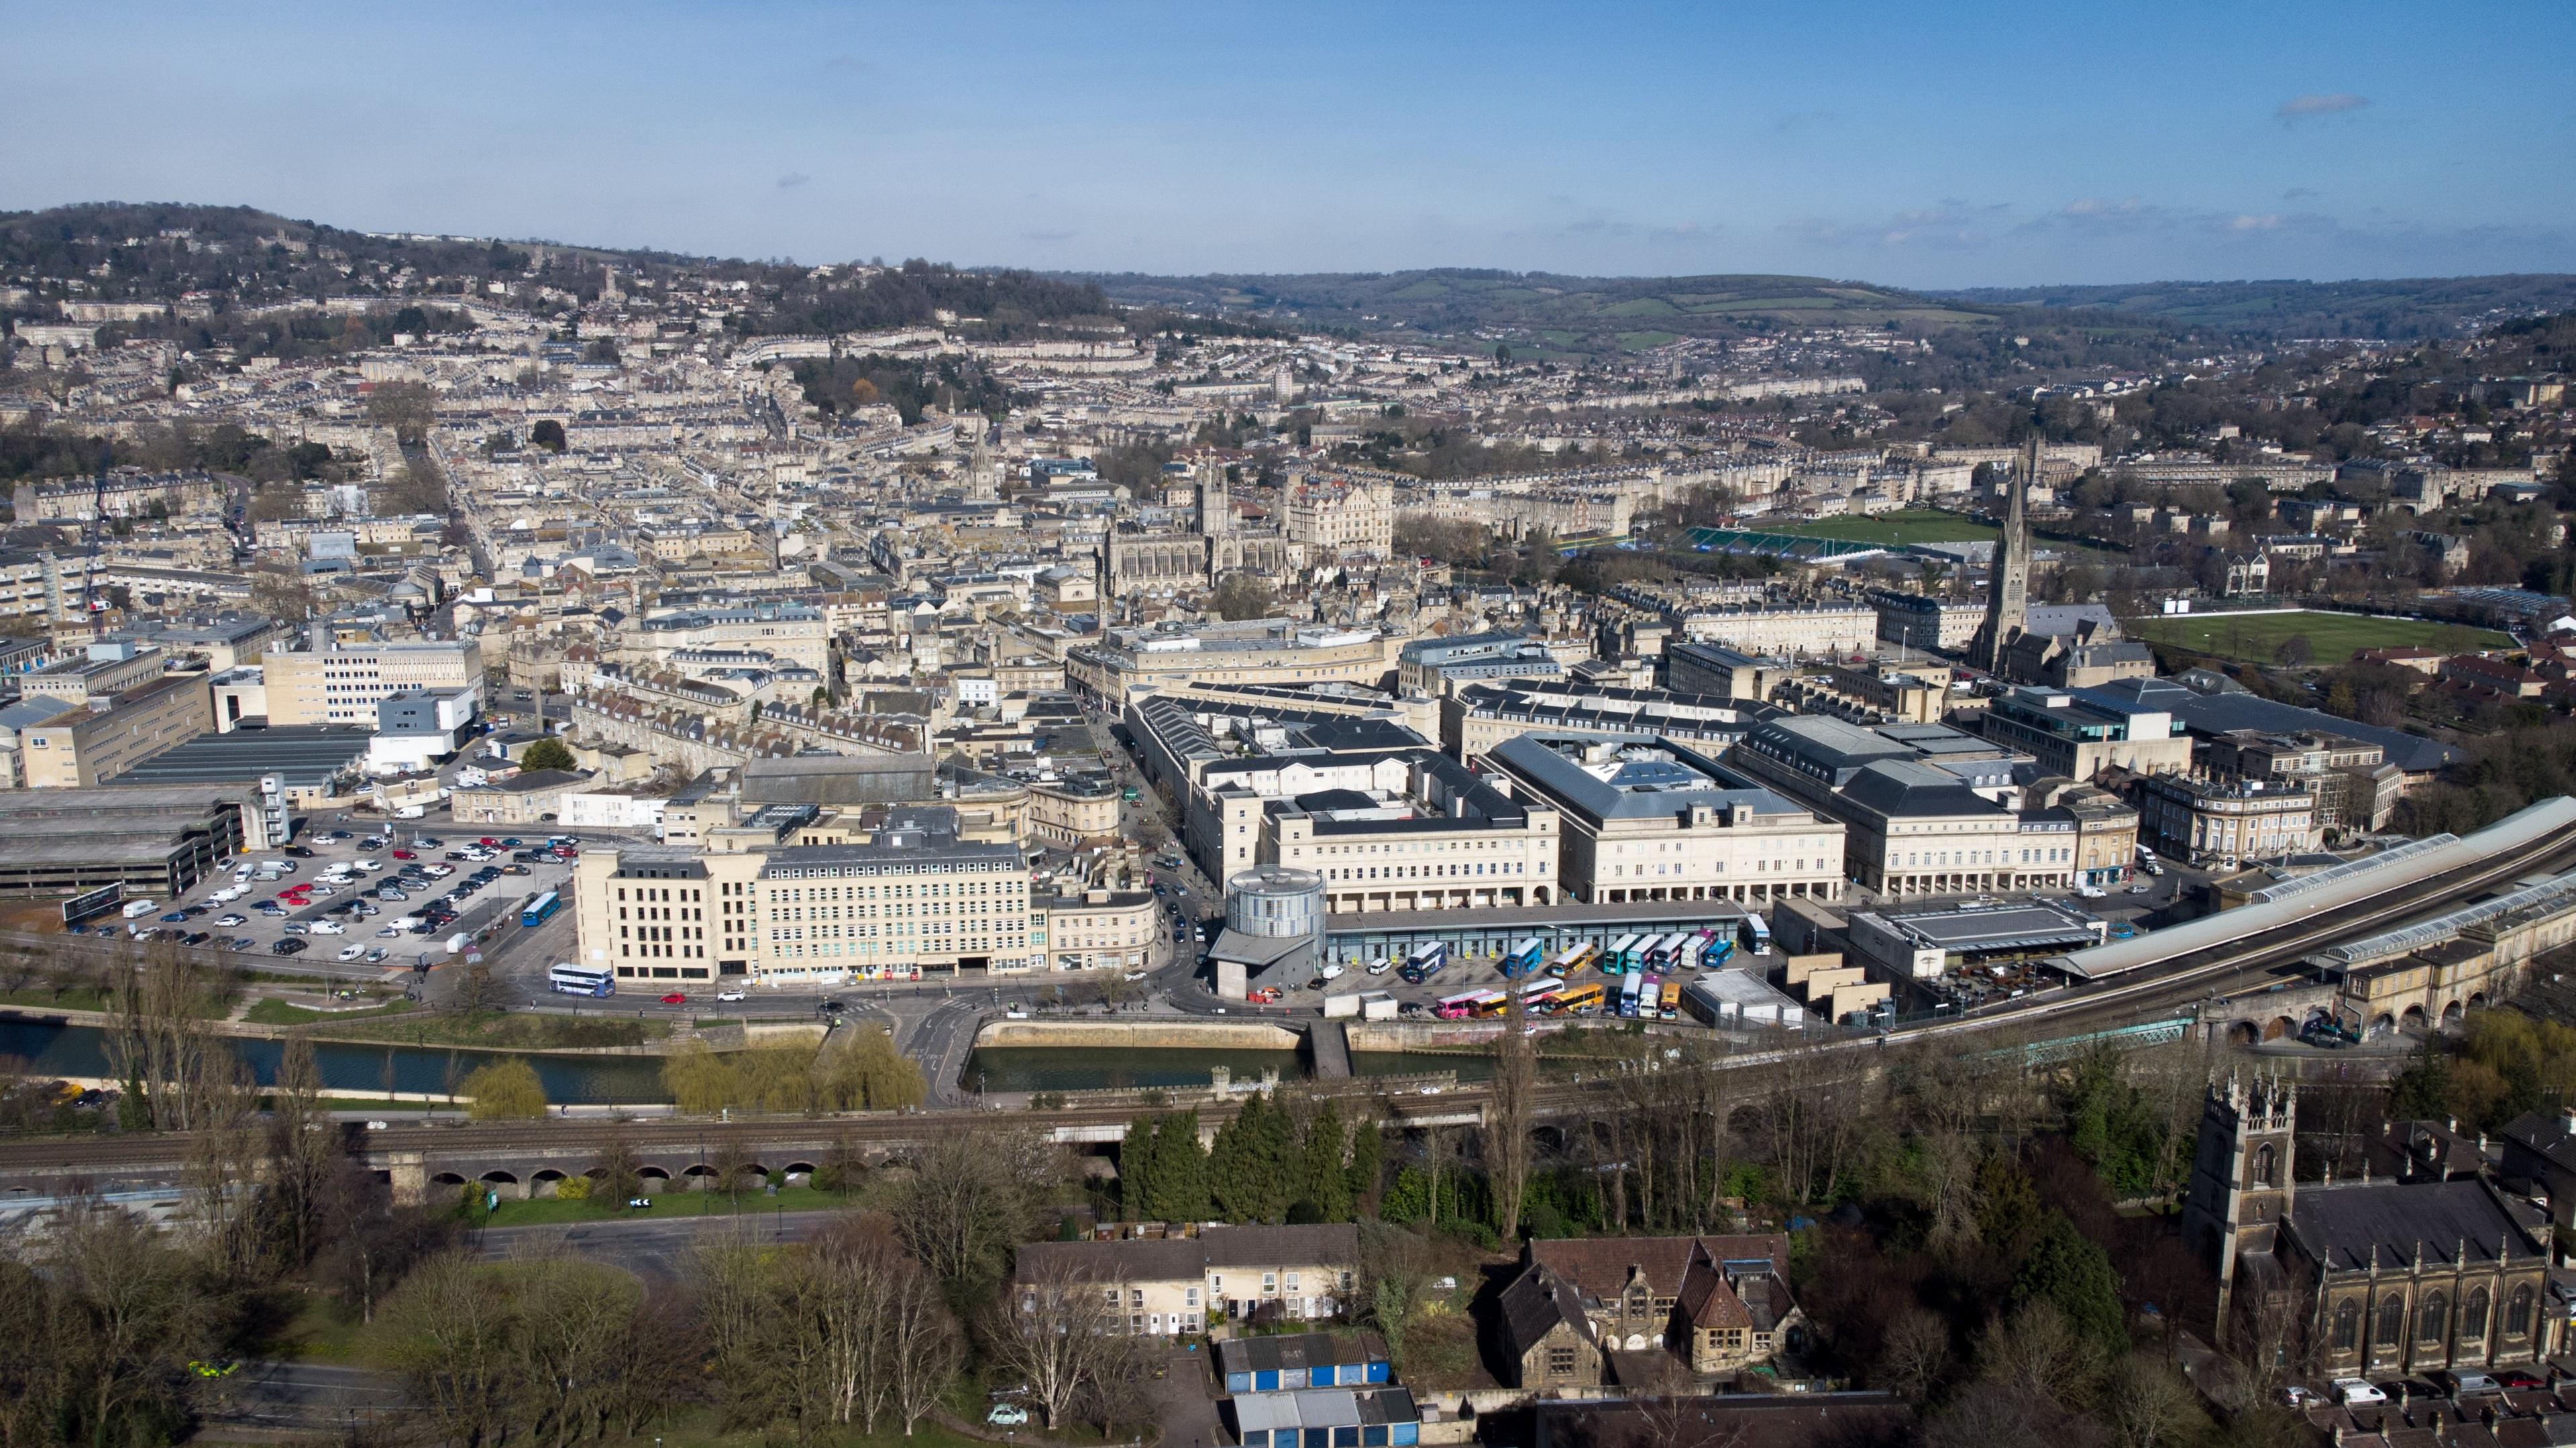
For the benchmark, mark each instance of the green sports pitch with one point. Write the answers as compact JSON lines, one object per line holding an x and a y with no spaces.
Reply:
{"x":2332,"y":637}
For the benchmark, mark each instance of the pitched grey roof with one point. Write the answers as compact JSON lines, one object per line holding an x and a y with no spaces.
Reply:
{"x":1898,"y":787}
{"x":2342,"y":1224}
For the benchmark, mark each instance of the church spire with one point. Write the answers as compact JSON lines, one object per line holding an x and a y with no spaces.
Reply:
{"x":2008,"y":581}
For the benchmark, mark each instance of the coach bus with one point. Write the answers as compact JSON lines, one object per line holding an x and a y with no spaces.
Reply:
{"x":589,"y":980}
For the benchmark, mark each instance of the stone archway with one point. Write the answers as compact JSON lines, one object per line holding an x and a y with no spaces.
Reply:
{"x":2413,"y":1022}
{"x":2245,"y":1033}
{"x":545,"y":1182}
{"x":2278,"y":1028}
{"x":505,"y":1185}
{"x":2381,"y":1024}
{"x":2452,"y":1015}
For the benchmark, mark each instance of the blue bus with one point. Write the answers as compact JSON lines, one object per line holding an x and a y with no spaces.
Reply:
{"x":1525,"y":958}
{"x":1630,"y":990}
{"x":540,"y":909}
{"x":569,"y":979}
{"x":1425,"y":962}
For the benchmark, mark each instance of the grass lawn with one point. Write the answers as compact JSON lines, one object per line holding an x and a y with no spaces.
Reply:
{"x":1896,"y":530}
{"x":544,"y":1211}
{"x":274,"y":1012}
{"x":45,"y":997}
{"x":499,"y":1030}
{"x":2332,"y":637}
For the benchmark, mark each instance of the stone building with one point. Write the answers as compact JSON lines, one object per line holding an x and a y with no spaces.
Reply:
{"x":2382,"y":1277}
{"x":1719,"y":1305}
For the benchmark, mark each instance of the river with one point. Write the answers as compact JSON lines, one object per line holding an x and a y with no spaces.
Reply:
{"x":353,"y":1070}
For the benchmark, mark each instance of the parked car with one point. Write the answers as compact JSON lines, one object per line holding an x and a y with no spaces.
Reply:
{"x":375,"y":955}
{"x":405,"y":855}
{"x":298,"y":927}
{"x":352,"y":952}
{"x":2351,"y":1392}
{"x":229,"y":921}
{"x":329,"y":927}
{"x":290,"y":946}
{"x":1266,"y":995}
{"x":2142,"y":888}
{"x":1007,"y":1415}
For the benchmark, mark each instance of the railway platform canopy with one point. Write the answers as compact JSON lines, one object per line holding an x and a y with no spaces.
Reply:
{"x":2311,"y":897}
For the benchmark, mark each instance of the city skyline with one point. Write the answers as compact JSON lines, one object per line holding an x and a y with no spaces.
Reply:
{"x":2012,"y":147}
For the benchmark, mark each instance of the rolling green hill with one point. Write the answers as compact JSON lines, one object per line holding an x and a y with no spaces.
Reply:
{"x":2404,"y":309}
{"x":1545,"y":312}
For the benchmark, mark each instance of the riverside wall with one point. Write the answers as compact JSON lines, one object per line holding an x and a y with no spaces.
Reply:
{"x":1143,"y":1035}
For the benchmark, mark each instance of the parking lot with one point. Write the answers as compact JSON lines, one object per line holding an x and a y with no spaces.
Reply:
{"x":369,"y":900}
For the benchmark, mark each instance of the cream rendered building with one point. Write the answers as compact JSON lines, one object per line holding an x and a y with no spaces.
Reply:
{"x":1649,"y":819}
{"x":1270,"y":651}
{"x":822,"y":901}
{"x":344,"y":683}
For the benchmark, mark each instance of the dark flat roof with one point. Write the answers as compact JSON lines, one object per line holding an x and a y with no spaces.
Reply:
{"x":306,"y":754}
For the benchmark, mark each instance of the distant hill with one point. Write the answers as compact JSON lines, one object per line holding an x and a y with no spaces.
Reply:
{"x":2399,"y":310}
{"x":1545,"y":311}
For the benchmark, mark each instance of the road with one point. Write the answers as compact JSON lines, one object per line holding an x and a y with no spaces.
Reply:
{"x":651,"y":1247}
{"x":291,"y":1396}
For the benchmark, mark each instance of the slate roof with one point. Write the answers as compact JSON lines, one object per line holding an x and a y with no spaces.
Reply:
{"x":1598,"y":1267}
{"x":2342,"y":1224}
{"x":2210,"y":715}
{"x":1903,"y":788}
{"x":1217,"y":1249}
{"x":1534,"y":1304}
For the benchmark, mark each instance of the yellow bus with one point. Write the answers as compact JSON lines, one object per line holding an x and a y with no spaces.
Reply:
{"x":1670,"y":1006}
{"x":1582,"y":999}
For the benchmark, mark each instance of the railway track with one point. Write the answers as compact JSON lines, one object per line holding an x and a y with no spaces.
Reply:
{"x":2158,"y":989}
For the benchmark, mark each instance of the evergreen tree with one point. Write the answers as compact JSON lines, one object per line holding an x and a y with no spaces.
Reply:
{"x":1368,"y":1159}
{"x":1180,"y":1190}
{"x":1136,"y":1171}
{"x":1327,"y":1184}
{"x":1248,"y":1168}
{"x":2072,"y":1271}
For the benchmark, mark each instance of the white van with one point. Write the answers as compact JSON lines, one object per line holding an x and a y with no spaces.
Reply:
{"x":137,"y":909}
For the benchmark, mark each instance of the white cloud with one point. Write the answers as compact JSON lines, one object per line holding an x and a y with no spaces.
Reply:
{"x":2300,"y":108}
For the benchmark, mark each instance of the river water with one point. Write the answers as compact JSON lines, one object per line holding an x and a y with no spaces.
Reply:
{"x":354,"y":1070}
{"x":1071,"y":1068}
{"x":350,"y":1070}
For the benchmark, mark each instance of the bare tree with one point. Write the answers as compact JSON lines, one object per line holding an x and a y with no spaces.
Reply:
{"x":1395,"y":1272}
{"x":303,"y":1153}
{"x":1915,"y":1355}
{"x":923,"y":1345}
{"x":2148,"y":1404}
{"x":1507,"y":1120}
{"x":1052,"y":1330}
{"x":972,"y":1197}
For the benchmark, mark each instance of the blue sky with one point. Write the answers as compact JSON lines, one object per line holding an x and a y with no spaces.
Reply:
{"x":1924,"y":145}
